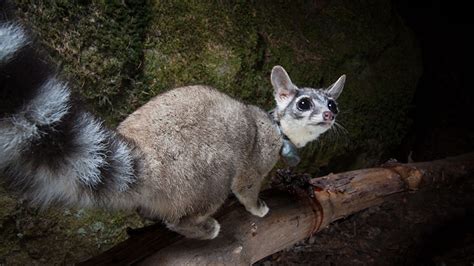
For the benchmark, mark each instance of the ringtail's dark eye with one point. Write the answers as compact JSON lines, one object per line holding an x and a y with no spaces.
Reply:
{"x":332,"y":106}
{"x":304,"y":104}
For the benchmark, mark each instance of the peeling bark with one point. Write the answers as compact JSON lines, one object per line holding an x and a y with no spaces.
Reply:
{"x":245,"y":239}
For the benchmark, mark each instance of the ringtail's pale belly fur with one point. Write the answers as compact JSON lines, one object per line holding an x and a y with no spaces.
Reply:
{"x":177,"y":158}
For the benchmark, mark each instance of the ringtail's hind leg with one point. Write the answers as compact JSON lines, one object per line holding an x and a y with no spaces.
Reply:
{"x":246,"y":189}
{"x":196,"y":226}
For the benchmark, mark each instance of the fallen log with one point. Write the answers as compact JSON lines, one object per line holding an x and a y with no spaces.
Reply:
{"x":245,"y":239}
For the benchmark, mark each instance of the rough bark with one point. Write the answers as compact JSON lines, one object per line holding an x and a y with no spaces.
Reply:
{"x":245,"y":239}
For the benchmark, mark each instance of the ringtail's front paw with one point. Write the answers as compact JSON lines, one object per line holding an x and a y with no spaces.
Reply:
{"x":261,"y":210}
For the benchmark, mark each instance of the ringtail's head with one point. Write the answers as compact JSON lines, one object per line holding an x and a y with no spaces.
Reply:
{"x":304,"y":113}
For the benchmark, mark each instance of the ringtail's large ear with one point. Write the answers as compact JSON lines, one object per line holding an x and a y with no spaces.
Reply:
{"x":336,"y":88}
{"x":284,"y":89}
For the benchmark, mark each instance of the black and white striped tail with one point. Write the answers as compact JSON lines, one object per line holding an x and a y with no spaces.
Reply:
{"x":50,"y":149}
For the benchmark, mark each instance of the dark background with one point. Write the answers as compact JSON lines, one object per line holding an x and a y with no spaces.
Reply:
{"x":443,"y":103}
{"x":443,"y":108}
{"x":443,"y":119}
{"x":435,"y":227}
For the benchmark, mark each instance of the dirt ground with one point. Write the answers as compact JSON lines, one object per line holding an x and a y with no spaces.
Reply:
{"x":428,"y":227}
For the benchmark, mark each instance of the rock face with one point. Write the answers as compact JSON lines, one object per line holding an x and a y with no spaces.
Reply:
{"x":120,"y":55}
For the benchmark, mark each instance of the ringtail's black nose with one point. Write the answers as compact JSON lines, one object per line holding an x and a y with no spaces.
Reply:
{"x":328,"y":116}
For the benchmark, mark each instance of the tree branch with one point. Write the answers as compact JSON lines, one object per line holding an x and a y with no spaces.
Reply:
{"x":245,"y":239}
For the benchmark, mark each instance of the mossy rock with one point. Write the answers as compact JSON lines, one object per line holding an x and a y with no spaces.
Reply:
{"x":234,"y":46}
{"x":119,"y":54}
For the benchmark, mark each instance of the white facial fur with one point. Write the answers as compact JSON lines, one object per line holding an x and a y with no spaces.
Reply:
{"x":300,"y":133}
{"x":301,"y":111}
{"x":305,"y":126}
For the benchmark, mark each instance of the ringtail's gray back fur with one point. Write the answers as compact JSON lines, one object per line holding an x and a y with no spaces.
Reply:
{"x":177,"y":158}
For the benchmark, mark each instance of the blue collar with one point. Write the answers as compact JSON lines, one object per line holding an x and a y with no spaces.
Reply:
{"x":288,"y":150}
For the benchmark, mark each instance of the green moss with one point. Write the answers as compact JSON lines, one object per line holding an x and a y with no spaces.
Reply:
{"x":99,"y":45}
{"x":203,"y":45}
{"x":234,"y":46}
{"x":119,"y":55}
{"x":58,"y":236}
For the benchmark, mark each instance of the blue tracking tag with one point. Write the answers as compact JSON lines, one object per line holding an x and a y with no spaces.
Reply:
{"x":289,"y":153}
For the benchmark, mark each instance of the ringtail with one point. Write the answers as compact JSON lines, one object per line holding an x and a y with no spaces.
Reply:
{"x":177,"y":158}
